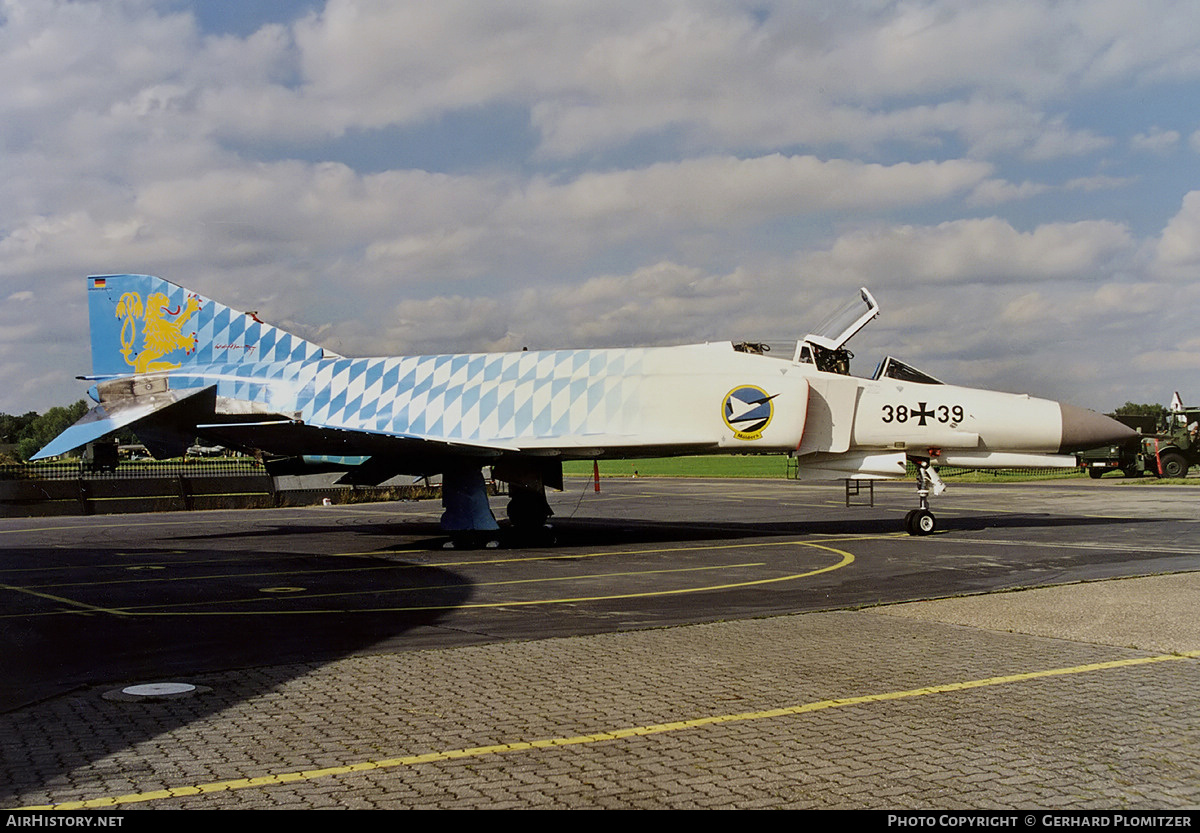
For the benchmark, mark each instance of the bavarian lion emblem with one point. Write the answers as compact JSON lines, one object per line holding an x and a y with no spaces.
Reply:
{"x":161,"y":330}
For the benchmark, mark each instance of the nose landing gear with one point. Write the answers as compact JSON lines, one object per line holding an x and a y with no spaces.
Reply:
{"x":921,"y":521}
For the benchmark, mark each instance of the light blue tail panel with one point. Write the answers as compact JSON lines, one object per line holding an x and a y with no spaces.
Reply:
{"x":143,"y":324}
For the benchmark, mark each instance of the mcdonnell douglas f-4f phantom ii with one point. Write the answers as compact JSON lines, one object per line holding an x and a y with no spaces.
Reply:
{"x":174,"y":366}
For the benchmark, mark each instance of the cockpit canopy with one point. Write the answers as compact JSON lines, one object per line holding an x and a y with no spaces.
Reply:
{"x":826,"y":346}
{"x":841,"y":326}
{"x":893,"y":368}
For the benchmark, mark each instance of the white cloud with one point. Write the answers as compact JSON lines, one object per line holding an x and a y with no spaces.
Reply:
{"x":247,"y":214}
{"x":718,"y":191}
{"x":663,"y":303}
{"x":994,"y":191}
{"x":1156,"y":140}
{"x":598,"y":76}
{"x":983,"y":71}
{"x":1098,"y":183}
{"x":1179,"y":246}
{"x":972,"y":251}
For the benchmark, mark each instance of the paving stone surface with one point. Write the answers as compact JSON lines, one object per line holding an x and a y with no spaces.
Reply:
{"x":1124,"y":737}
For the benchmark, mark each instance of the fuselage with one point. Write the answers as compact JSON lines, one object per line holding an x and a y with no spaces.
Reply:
{"x":630,"y":402}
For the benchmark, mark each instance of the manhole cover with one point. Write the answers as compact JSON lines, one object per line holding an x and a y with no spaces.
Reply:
{"x":150,"y":692}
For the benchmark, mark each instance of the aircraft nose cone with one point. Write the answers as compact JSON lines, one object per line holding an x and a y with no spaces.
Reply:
{"x":1083,"y":429}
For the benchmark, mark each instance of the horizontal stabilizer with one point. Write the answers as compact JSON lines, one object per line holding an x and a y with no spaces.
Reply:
{"x":95,"y":424}
{"x":106,"y":419}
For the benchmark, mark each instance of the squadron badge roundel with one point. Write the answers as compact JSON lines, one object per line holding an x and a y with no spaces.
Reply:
{"x":748,"y":410}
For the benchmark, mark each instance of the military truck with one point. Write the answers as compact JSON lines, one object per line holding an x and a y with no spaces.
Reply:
{"x":1165,"y":449}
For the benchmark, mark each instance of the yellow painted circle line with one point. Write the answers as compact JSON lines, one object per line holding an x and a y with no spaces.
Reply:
{"x":282,"y":589}
{"x":844,"y":559}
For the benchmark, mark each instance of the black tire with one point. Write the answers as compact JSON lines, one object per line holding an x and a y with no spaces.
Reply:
{"x":920,"y":522}
{"x":1173,"y":464}
{"x":924,"y":523}
{"x":1096,"y":474}
{"x":528,"y":509}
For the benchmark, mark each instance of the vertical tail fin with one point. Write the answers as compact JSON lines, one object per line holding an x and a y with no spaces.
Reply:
{"x":142,"y":324}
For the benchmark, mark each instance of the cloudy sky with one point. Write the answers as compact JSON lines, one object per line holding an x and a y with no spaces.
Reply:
{"x":1015,"y":180}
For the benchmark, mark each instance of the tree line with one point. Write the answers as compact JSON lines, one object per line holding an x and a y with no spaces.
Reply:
{"x":24,"y":435}
{"x":1136,"y":409}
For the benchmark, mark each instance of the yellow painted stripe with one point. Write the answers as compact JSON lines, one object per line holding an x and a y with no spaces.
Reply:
{"x":272,"y":519}
{"x":604,"y":736}
{"x":70,"y":603}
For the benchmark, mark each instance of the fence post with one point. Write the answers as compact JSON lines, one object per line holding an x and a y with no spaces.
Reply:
{"x":183,"y":492}
{"x":85,"y":503}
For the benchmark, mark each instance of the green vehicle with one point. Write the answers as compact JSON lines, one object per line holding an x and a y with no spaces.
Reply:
{"x":1165,"y":449}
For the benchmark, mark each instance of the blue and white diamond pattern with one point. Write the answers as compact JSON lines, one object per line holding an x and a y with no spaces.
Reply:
{"x":477,"y":397}
{"x":226,"y":335}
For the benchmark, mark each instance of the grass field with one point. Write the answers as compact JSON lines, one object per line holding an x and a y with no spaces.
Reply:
{"x":747,"y":465}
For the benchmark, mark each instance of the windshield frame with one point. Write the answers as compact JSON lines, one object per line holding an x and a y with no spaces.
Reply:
{"x":893,"y":368}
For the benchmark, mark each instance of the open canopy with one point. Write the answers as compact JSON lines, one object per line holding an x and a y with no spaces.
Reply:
{"x":841,"y":326}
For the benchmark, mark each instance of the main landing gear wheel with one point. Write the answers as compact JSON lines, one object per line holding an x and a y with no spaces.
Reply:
{"x":529,"y":513}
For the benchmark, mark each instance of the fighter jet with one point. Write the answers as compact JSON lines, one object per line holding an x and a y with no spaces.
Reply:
{"x":175,"y":366}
